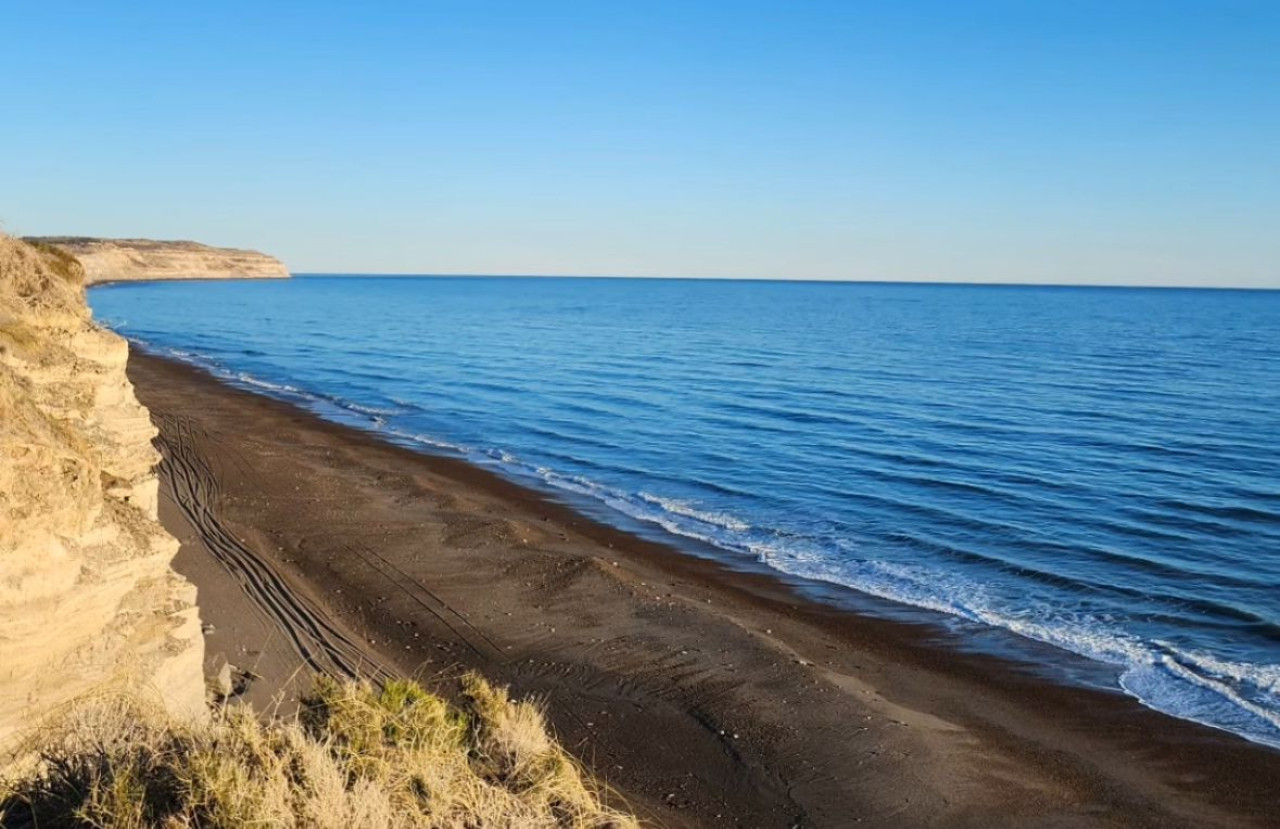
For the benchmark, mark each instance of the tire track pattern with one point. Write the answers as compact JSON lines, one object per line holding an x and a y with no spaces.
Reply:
{"x":456,"y":623}
{"x":321,"y":645}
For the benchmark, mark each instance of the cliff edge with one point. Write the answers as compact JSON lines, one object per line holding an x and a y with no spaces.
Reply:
{"x":128,"y":260}
{"x":87,"y":597}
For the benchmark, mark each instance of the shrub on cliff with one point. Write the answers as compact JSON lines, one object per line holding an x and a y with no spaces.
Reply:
{"x":357,"y":756}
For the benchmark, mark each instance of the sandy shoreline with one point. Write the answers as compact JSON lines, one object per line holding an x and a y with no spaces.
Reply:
{"x":705,"y":696}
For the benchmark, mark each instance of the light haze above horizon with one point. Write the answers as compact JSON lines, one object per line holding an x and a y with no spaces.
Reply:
{"x":1122,"y":142}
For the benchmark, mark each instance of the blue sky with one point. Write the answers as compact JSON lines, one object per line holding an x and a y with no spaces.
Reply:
{"x":1030,"y":141}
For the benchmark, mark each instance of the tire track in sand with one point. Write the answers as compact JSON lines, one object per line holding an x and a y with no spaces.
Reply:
{"x":460,"y":627}
{"x":321,"y":645}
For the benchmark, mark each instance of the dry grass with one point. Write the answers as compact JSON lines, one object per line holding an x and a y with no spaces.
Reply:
{"x":63,"y":264}
{"x":40,"y":276}
{"x":357,"y":757}
{"x":37,"y":283}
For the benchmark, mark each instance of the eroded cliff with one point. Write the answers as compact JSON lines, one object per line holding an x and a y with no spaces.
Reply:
{"x":87,"y":597}
{"x":127,"y":260}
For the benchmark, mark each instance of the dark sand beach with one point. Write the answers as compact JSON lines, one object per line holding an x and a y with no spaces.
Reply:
{"x":703,"y":695}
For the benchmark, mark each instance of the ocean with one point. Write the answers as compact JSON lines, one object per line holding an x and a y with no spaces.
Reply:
{"x":1094,"y":469}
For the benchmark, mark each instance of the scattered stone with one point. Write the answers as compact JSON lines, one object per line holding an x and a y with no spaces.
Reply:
{"x":221,"y":684}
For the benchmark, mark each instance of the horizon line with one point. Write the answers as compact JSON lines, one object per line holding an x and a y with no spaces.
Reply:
{"x":667,"y":278}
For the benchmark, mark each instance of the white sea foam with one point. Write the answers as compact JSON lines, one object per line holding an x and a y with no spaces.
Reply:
{"x":688,"y":510}
{"x":284,"y":388}
{"x":1189,"y":685}
{"x":1243,"y":698}
{"x":372,"y":411}
{"x":428,"y":440}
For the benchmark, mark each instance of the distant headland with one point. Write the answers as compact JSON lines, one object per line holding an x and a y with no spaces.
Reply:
{"x":131,"y":260}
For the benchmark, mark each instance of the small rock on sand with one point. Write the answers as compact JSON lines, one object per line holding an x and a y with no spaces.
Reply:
{"x":221,"y":685}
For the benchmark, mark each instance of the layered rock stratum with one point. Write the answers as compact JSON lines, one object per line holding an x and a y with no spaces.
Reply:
{"x":88,"y":600}
{"x":128,"y":260}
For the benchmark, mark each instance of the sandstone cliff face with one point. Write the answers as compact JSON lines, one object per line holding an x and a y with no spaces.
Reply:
{"x":123,"y":260}
{"x":87,"y":597}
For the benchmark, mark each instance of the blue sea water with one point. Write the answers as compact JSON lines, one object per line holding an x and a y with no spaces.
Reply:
{"x":1095,"y":469}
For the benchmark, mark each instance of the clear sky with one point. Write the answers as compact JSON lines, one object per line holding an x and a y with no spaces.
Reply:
{"x":1027,"y":140}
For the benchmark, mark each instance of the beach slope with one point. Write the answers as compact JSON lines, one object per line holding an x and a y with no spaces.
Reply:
{"x":706,"y":696}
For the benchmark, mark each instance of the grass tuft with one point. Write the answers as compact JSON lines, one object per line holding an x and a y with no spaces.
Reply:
{"x":357,"y":756}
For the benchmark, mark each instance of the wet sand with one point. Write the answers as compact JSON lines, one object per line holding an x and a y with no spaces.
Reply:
{"x":705,"y":696}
